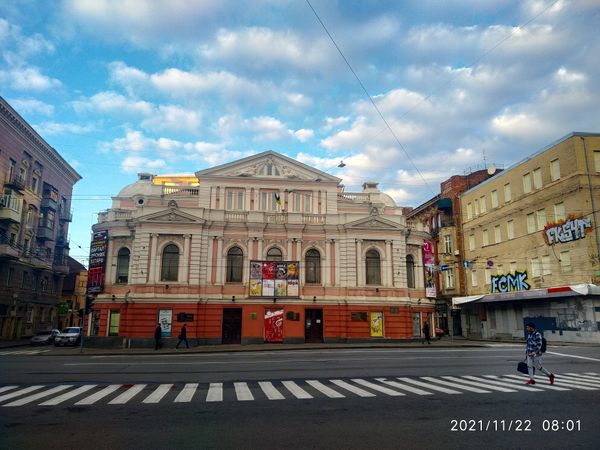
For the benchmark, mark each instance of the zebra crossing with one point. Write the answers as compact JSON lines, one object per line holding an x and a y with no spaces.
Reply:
{"x":22,"y":352}
{"x":245,"y":391}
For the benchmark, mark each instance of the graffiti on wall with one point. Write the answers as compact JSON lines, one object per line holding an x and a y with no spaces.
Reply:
{"x":510,"y":282}
{"x":572,"y":229}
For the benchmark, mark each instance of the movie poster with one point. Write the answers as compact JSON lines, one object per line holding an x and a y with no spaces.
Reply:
{"x":268,"y":271}
{"x":292,"y":271}
{"x":255,"y":270}
{"x":281,"y":269}
{"x":268,"y":288}
{"x":281,"y":288}
{"x":293,"y":288}
{"x":255,"y":288}
{"x":429,"y":263}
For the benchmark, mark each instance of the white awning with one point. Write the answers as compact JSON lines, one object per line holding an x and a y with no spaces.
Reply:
{"x":468,"y":299}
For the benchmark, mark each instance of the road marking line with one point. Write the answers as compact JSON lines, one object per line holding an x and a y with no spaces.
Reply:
{"x":325,"y":389}
{"x":158,"y":393}
{"x":34,"y":397}
{"x":21,"y":392}
{"x":562,"y":383}
{"x":215,"y":392}
{"x":573,"y":356}
{"x":455,"y":385}
{"x":243,"y":392}
{"x":7,"y":388}
{"x":270,"y":391}
{"x":587,"y":377}
{"x":593,"y":384}
{"x":98,"y":395}
{"x":503,"y":384}
{"x":481,"y":385}
{"x":429,"y":386}
{"x":187,"y":393}
{"x":378,"y":388}
{"x":592,"y":373}
{"x":517,"y":379}
{"x":296,"y":390}
{"x":123,"y":398}
{"x":397,"y":385}
{"x":68,"y":395}
{"x":355,"y":390}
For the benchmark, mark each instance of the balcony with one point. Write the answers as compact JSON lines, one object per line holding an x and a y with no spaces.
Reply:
{"x":65,"y":216}
{"x":62,"y":241}
{"x":112,"y":215}
{"x":183,"y":191}
{"x":44,"y":232}
{"x":8,"y":250}
{"x":49,"y":203}
{"x":313,"y":219}
{"x":10,"y":208}
{"x":276,"y":218}
{"x":236,"y":216}
{"x":61,"y":265}
{"x":16,"y":181}
{"x":38,"y":258}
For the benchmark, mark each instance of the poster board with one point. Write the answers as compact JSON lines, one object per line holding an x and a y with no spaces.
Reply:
{"x":277,"y":279}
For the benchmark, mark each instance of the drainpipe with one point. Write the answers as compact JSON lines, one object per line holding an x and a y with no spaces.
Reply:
{"x":594,"y":210}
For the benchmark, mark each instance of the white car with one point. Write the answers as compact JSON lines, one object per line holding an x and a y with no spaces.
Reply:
{"x":44,"y":337}
{"x":68,"y":336}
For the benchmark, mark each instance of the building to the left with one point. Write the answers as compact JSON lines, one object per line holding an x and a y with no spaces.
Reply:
{"x":35,"y":212}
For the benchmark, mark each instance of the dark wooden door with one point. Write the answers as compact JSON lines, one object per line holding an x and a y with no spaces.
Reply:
{"x":313,"y":325}
{"x":232,"y":326}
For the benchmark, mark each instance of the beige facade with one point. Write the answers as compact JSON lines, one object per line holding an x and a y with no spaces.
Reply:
{"x":530,"y":232}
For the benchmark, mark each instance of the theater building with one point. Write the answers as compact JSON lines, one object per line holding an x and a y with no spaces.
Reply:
{"x":263,"y":249}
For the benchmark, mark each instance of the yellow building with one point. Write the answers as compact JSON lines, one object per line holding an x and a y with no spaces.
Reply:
{"x":532,"y":245}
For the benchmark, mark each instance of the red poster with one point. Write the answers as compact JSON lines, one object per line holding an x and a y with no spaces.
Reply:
{"x":274,"y":325}
{"x":268,"y":271}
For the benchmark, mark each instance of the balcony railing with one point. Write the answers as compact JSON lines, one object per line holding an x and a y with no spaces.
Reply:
{"x":357,"y":197}
{"x":313,"y":219}
{"x":276,"y":218}
{"x":49,"y":203}
{"x":181,"y":190}
{"x":10,"y":208}
{"x":236,"y":216}
{"x":45,"y":232}
{"x":16,"y":181}
{"x":113,"y":215}
{"x":65,"y":216}
{"x":8,"y":249}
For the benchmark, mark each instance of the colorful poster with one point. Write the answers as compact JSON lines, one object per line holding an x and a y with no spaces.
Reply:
{"x":292,"y":288}
{"x":268,"y":288}
{"x":429,"y":264}
{"x":274,"y":325}
{"x":292,"y":271}
{"x":281,"y":270}
{"x":165,"y":318}
{"x":97,"y":263}
{"x":281,"y":288}
{"x":255,"y":288}
{"x":255,"y":270}
{"x":377,"y":324}
{"x":268,"y":270}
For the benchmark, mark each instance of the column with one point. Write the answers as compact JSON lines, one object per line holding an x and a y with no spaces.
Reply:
{"x":219,"y":265}
{"x":337,"y":266}
{"x":185,"y":267}
{"x":326,"y":264}
{"x":154,"y":256}
{"x":290,"y":254}
{"x":359,"y":264}
{"x":109,"y":276}
{"x":389,"y":278}
{"x":260,"y":249}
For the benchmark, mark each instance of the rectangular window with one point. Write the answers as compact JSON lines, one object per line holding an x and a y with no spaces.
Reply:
{"x":513,"y":266}
{"x":565,"y":261}
{"x":597,"y":160}
{"x":450,"y":279}
{"x":113,"y":327}
{"x":535,"y":267}
{"x":476,"y":207}
{"x":229,"y":200}
{"x":29,"y":315}
{"x":507,"y":193}
{"x":510,"y":229}
{"x":25,"y":280}
{"x":499,"y":270}
{"x":482,"y":205}
{"x":469,"y":211}
{"x":274,"y":201}
{"x":10,"y":276}
{"x":472,"y":242}
{"x":540,"y":217}
{"x":263,"y":201}
{"x":240,"y":200}
{"x":494,"y":198}
{"x":537,"y":178}
{"x":497,"y":234}
{"x":307,"y":203}
{"x":527,"y":183}
{"x":297,"y":202}
{"x":235,"y":199}
{"x":554,"y":169}
{"x":488,"y":276}
{"x":546,"y":269}
{"x":486,"y":238}
{"x":473,"y":278}
{"x":448,"y":244}
{"x":559,"y":212}
{"x":34,"y":184}
{"x":531,"y":223}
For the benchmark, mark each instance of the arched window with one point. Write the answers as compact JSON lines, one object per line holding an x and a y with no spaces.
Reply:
{"x":373,"y":267}
{"x":123,"y":265}
{"x":410,"y":271}
{"x":274,"y":254}
{"x":313,"y":266}
{"x":170,"y":263}
{"x":235,"y":261}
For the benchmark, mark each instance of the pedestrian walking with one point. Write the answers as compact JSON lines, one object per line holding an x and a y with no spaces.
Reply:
{"x":157,"y":337}
{"x":183,"y":337}
{"x":533,"y":352}
{"x":425,"y":333}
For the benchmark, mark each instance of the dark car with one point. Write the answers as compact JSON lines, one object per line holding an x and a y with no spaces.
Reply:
{"x":68,"y":336}
{"x":44,"y":337}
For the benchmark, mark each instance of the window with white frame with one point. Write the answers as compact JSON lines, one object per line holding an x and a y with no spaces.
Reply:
{"x":497,"y":234}
{"x":450,"y":279}
{"x":512,"y":266}
{"x":546,"y":265}
{"x":469,"y":211}
{"x":297,"y":202}
{"x":494,"y":196}
{"x":540,"y":217}
{"x":268,"y":200}
{"x":448,"y":244}
{"x":499,"y":270}
{"x":473,"y":278}
{"x":476,"y":207}
{"x":535,"y":267}
{"x":559,"y":211}
{"x":488,"y":276}
{"x":537,"y":178}
{"x":234,"y":199}
{"x":531,"y":223}
{"x":527,"y":183}
{"x":307,"y":202}
{"x":554,"y":169}
{"x":507,"y":193}
{"x":483,"y":205}
{"x":510,"y":229}
{"x":471,"y":242}
{"x":485,"y":237}
{"x":565,"y":261}
{"x":597,"y":160}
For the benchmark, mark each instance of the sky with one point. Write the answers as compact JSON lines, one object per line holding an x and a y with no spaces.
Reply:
{"x":406,"y":93}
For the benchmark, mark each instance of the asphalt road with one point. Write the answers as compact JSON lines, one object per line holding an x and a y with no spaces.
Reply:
{"x":330,"y":399}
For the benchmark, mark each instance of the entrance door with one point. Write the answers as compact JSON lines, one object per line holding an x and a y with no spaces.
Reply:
{"x":313,"y":325}
{"x":232,"y":326}
{"x":416,"y":318}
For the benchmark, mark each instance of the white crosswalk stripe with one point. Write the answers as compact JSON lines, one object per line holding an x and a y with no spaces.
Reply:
{"x":22,"y":352}
{"x":120,"y":394}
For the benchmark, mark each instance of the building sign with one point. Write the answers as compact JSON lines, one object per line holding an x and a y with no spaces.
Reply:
{"x":572,"y":229}
{"x":165,"y":319}
{"x":510,"y":282}
{"x":97,"y":262}
{"x":377,"y":324}
{"x":274,"y":279}
{"x":274,"y":325}
{"x":429,"y":264}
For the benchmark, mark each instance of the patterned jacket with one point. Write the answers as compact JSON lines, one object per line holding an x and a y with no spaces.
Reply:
{"x":534,"y":342}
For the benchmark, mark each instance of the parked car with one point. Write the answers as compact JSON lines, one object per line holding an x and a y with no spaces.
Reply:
{"x":44,"y":337}
{"x":68,"y":336}
{"x":439,"y":333}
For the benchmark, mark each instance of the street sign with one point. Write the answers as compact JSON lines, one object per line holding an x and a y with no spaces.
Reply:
{"x":185,"y":317}
{"x":444,"y":267}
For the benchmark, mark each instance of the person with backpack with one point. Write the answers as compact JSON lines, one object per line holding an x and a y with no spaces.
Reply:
{"x":533,"y":352}
{"x":183,"y":337}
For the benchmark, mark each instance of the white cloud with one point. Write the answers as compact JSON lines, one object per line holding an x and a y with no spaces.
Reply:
{"x":173,"y":118}
{"x":113,"y":103}
{"x":28,"y":79}
{"x":136,"y":164}
{"x":304,"y":135}
{"x":63,"y":128}
{"x":334,"y":122}
{"x":32,"y":106}
{"x":134,"y":141}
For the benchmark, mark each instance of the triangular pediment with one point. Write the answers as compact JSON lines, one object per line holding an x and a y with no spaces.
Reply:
{"x":374,"y":223}
{"x":267,"y":165}
{"x":170,"y":215}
